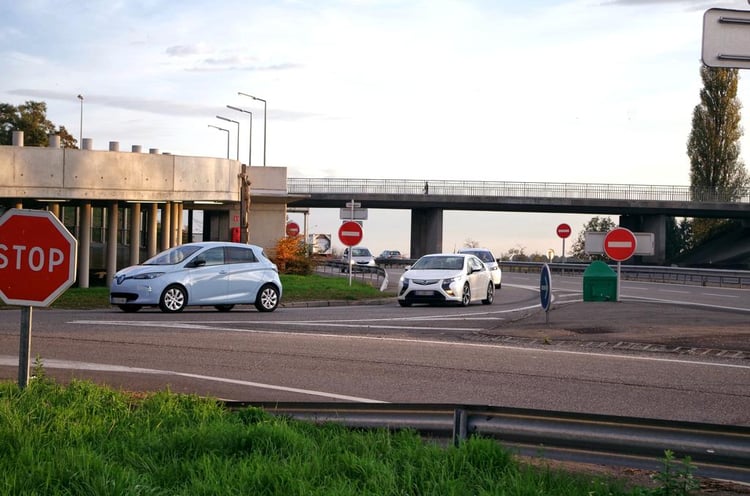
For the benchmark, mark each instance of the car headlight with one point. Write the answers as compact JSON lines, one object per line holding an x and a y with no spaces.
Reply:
{"x":447,"y":284}
{"x":404,"y":280}
{"x":149,"y":275}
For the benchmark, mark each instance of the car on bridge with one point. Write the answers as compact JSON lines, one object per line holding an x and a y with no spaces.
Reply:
{"x":446,"y":278}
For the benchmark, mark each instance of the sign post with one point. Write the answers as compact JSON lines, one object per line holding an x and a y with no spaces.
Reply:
{"x":545,"y":291}
{"x":350,"y":234}
{"x":37,"y":264}
{"x":619,"y":245}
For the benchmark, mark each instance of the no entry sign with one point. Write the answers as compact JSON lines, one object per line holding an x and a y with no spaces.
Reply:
{"x":619,"y":244}
{"x":563,"y":230}
{"x":350,"y":233}
{"x":292,"y":229}
{"x":37,"y":258}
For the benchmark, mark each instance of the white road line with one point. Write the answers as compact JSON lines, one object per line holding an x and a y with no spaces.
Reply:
{"x":66,"y":364}
{"x":720,"y":295}
{"x":448,"y":344}
{"x":673,"y":291}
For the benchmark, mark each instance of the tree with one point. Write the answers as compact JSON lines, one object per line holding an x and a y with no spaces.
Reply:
{"x":471,"y":243}
{"x":596,"y":224}
{"x":31,"y":118}
{"x":716,"y":171}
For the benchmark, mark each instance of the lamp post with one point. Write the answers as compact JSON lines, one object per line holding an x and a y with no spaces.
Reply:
{"x":238,"y":133}
{"x":264,"y":121}
{"x":80,"y":135}
{"x":222,"y":129}
{"x":250,"y":146}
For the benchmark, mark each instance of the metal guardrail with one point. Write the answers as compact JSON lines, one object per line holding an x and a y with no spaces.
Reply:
{"x":599,"y":191}
{"x":376,"y":276}
{"x":648,"y":273}
{"x":717,"y":451}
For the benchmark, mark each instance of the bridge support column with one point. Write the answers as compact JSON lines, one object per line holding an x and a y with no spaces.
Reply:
{"x":656,"y":224}
{"x":426,"y":231}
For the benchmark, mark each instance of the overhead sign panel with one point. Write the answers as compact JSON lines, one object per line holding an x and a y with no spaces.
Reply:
{"x":726,"y":38}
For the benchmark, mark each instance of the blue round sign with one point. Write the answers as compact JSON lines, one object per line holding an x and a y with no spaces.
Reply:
{"x":545,"y":287}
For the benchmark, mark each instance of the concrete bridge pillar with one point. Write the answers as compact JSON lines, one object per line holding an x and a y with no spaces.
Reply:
{"x":426,"y":231}
{"x":656,"y":224}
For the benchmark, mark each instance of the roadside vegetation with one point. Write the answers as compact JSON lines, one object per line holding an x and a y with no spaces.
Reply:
{"x":87,"y":439}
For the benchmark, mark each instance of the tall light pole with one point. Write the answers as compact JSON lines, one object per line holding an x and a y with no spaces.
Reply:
{"x":238,"y":133}
{"x":222,"y":129}
{"x":264,"y":121}
{"x":80,"y":135}
{"x":250,"y":146}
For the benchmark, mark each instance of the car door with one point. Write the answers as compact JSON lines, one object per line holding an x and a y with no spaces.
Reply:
{"x":208,"y":278}
{"x":246,"y":274}
{"x":478,"y":278}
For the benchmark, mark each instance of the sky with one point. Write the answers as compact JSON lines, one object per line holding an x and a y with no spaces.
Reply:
{"x":594,"y":91}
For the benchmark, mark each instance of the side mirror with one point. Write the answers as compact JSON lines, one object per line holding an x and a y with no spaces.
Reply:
{"x":198,"y":262}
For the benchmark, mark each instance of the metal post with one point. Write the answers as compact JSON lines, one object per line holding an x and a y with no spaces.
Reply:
{"x":24,"y":349}
{"x":250,"y":141}
{"x":80,"y":145}
{"x":227,"y":131}
{"x":265,"y":121}
{"x":238,"y":133}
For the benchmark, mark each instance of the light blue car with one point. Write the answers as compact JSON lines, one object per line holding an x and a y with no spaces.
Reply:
{"x":218,"y":274}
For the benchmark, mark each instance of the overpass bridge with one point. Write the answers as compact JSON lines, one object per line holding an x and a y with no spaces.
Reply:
{"x":642,"y":208}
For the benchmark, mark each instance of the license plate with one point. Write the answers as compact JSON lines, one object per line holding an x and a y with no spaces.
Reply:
{"x":423,"y":292}
{"x":119,"y":301}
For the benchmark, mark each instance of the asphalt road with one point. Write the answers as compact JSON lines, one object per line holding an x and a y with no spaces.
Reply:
{"x":638,"y":357}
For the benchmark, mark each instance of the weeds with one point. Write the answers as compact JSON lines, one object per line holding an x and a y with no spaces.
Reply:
{"x":676,"y":478}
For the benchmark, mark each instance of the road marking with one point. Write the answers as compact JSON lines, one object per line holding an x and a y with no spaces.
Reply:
{"x":720,"y":295}
{"x":66,"y":364}
{"x":673,"y":291}
{"x":381,"y":339}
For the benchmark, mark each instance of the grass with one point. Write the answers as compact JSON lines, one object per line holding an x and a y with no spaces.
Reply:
{"x":296,"y":288}
{"x":88,"y":439}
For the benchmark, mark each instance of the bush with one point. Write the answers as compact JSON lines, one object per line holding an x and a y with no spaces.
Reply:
{"x":291,"y":256}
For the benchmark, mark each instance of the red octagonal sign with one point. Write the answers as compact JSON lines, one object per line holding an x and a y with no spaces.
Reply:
{"x":619,"y":244}
{"x":37,"y":258}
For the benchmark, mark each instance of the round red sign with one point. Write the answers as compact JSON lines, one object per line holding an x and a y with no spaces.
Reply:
{"x":619,"y":244}
{"x":350,"y":233}
{"x":37,"y":257}
{"x":292,"y":229}
{"x":563,"y":230}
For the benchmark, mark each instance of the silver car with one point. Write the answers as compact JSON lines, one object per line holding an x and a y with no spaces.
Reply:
{"x":446,"y":278}
{"x":219,"y":274}
{"x":361,"y":257}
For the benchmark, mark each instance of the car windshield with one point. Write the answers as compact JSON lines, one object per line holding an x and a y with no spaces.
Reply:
{"x":439,"y":263}
{"x":483,"y":255}
{"x":360,"y":252}
{"x":173,"y":256}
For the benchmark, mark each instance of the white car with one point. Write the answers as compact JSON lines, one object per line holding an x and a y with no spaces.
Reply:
{"x":361,"y":257}
{"x":446,"y":278}
{"x":219,"y":274}
{"x":490,"y":261}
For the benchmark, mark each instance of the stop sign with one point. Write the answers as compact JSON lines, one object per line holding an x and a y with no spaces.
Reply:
{"x":292,"y":229}
{"x":37,"y":258}
{"x":563,"y":230}
{"x":619,"y":244}
{"x":350,"y":233}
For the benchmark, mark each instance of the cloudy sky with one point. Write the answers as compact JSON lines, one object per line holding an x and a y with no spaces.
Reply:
{"x":496,"y":90}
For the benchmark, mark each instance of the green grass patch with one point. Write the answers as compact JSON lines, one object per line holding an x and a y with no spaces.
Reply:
{"x":88,"y":439}
{"x":296,"y":288}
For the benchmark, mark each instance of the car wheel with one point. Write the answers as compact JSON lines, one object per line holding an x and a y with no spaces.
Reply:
{"x":173,"y":299}
{"x":129,"y":308}
{"x":466,"y":296}
{"x":490,"y":294}
{"x":404,"y":303}
{"x":267,"y":299}
{"x":224,"y":308}
{"x":499,"y":285}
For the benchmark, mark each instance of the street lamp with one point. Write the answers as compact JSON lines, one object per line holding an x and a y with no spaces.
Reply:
{"x":80,"y":135}
{"x":250,"y":146}
{"x":222,"y":129}
{"x":238,"y":133}
{"x":264,"y":122}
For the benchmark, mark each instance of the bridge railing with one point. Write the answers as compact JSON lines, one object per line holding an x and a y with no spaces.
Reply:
{"x":602,"y":191}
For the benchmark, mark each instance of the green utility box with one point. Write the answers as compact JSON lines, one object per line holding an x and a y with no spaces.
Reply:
{"x":599,"y":282}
